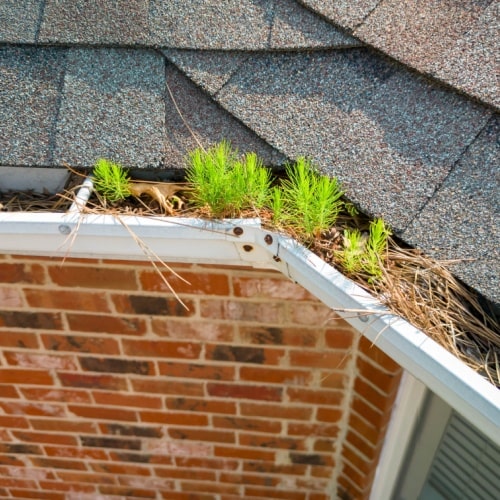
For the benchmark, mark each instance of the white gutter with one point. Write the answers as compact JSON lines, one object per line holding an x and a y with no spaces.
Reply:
{"x":244,"y":242}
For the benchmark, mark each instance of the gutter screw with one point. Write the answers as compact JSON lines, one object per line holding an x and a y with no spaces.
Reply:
{"x":64,"y":229}
{"x":238,"y":231}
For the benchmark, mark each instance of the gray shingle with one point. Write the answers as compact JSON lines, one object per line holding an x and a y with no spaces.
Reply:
{"x":81,"y":21}
{"x":209,"y":69}
{"x":348,"y":13}
{"x":209,"y":122}
{"x":472,"y":63}
{"x":19,"y":20}
{"x":297,"y":27}
{"x":112,"y":106}
{"x":30,"y":83}
{"x":211,"y":24}
{"x":461,"y":221}
{"x":416,"y":31}
{"x":389,"y":136}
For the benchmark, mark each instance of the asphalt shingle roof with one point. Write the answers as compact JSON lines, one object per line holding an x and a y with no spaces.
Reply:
{"x":397,"y":99}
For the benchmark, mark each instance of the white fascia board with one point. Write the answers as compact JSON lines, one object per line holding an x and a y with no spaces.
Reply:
{"x":244,"y":242}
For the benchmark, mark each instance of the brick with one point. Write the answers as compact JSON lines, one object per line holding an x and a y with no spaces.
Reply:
{"x":371,"y":414}
{"x":113,"y":468}
{"x":46,"y":361}
{"x":109,"y":382}
{"x":370,"y":394}
{"x":20,"y":376}
{"x":287,"y":336}
{"x":22,"y":273}
{"x":314,"y":396}
{"x":57,"y":464}
{"x":201,"y":487}
{"x":126,"y":492}
{"x":132,"y":457}
{"x":174,"y":418}
{"x":267,"y":287}
{"x":361,"y":480}
{"x":199,"y":283}
{"x":168,"y":387}
{"x":192,"y":370}
{"x":131,"y":430}
{"x":314,"y":430}
{"x":275,"y":375}
{"x":177,"y":495}
{"x":70,"y":487}
{"x":23,"y":340}
{"x":334,"y":379}
{"x":202,"y":405}
{"x":328,"y":414}
{"x":238,"y":354}
{"x":103,"y":413}
{"x":11,"y":297}
{"x":286,"y":412}
{"x":275,"y":442}
{"x":170,"y":448}
{"x":68,"y":300}
{"x":36,"y":409}
{"x":207,"y":463}
{"x":325,"y":445}
{"x":361,"y":445}
{"x":387,"y":382}
{"x":81,"y":343}
{"x":273,"y":468}
{"x":56,"y":394}
{"x":19,"y":483}
{"x":360,"y":463}
{"x":36,"y":494}
{"x":333,"y":360}
{"x":62,"y":425}
{"x":153,"y":305}
{"x":8,"y":391}
{"x":132,"y":400}
{"x":33,"y":320}
{"x":252,"y":491}
{"x":176,"y":473}
{"x":93,"y":277}
{"x":233,"y":310}
{"x":161,"y":348}
{"x":84,"y":477}
{"x":28,"y":449}
{"x":117,"y":365}
{"x":94,"y":323}
{"x":201,"y":435}
{"x":39,"y":437}
{"x":11,"y":461}
{"x":13,"y":422}
{"x":369,"y":431}
{"x":193,"y":330}
{"x":314,"y":314}
{"x":155,"y":483}
{"x":237,"y":478}
{"x":104,"y":442}
{"x":245,"y":453}
{"x":340,"y":338}
{"x":75,"y":452}
{"x":263,"y":393}
{"x":250,"y":424}
{"x":377,"y":356}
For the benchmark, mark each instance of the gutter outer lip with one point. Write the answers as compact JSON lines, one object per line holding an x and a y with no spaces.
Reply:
{"x":194,"y":240}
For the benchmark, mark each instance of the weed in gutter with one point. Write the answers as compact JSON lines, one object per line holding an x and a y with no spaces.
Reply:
{"x":311,"y":209}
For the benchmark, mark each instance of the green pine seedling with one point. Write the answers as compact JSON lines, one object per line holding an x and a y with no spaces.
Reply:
{"x":225,"y":184}
{"x":376,"y":247}
{"x":353,"y":251}
{"x":311,"y":202}
{"x":111,"y":181}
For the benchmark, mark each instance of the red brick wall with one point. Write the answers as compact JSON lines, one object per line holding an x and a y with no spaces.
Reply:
{"x":109,"y":386}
